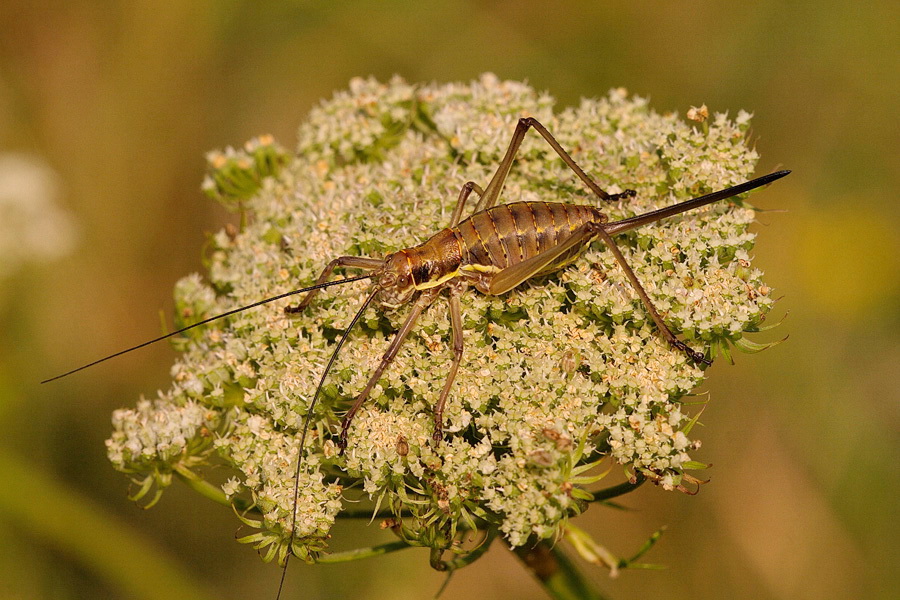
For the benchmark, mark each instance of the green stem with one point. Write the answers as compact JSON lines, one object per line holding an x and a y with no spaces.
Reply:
{"x":619,"y":490}
{"x":559,"y":577}
{"x":102,"y":543}
{"x":208,"y":490}
{"x":360,"y":553}
{"x":370,"y":515}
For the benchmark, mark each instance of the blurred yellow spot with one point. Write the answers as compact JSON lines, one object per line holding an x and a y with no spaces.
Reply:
{"x":849,"y":259}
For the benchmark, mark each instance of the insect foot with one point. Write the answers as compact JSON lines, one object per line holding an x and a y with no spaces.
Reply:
{"x":697,"y":357}
{"x":345,"y":432}
{"x":622,"y":195}
{"x":437,"y":436}
{"x":461,"y":301}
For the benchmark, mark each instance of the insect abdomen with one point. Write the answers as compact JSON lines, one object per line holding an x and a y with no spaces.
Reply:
{"x":507,"y":234}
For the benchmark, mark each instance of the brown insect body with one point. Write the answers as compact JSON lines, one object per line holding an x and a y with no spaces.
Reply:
{"x":483,"y":245}
{"x":506,"y":235}
{"x":494,"y":250}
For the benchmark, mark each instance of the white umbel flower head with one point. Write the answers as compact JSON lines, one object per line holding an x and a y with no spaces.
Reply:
{"x":563,"y":371}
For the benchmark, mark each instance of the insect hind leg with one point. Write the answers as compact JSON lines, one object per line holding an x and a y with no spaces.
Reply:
{"x":492,"y":191}
{"x":694,"y":355}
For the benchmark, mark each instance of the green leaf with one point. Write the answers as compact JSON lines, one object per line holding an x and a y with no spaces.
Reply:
{"x":590,"y":550}
{"x":687,"y":428}
{"x":694,"y":465}
{"x":761,"y":328}
{"x":745,"y":345}
{"x":651,"y":541}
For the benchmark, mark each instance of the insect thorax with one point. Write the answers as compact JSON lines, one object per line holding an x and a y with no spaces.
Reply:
{"x":421,"y":267}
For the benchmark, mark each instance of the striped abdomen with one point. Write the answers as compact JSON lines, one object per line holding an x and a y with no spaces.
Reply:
{"x":487,"y":243}
{"x":507,"y":234}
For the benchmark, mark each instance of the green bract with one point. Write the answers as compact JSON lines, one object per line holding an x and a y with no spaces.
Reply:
{"x":557,"y":375}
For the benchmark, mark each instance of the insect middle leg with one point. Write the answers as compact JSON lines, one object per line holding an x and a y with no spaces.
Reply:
{"x":492,"y":191}
{"x":464,"y":193}
{"x":456,"y":290}
{"x":425,"y":298}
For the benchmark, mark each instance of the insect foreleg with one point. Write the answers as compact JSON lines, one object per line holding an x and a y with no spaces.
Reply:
{"x":457,"y":328}
{"x":359,"y":262}
{"x":492,"y":191}
{"x":461,"y":201}
{"x":425,"y":298}
{"x":666,"y":332}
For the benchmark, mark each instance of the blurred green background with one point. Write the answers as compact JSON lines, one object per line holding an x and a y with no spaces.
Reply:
{"x":122,"y":99}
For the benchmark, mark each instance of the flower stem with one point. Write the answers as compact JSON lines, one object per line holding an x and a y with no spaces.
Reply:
{"x":208,"y":490}
{"x":559,"y":577}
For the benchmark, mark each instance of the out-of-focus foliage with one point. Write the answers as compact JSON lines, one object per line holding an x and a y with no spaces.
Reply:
{"x":123,"y":100}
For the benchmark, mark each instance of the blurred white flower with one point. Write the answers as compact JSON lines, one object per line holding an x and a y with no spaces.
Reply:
{"x":33,"y":228}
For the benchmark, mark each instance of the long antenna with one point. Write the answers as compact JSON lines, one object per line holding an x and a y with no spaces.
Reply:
{"x":215,"y":318}
{"x":306,"y":421}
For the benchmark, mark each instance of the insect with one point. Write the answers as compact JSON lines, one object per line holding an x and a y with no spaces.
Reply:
{"x":494,"y":250}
